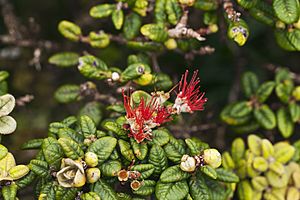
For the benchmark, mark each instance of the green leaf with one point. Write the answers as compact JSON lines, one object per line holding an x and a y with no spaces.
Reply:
{"x":102,"y":10}
{"x":9,"y":192}
{"x":39,"y":167}
{"x":7,"y":125}
{"x":171,"y":191}
{"x":254,"y":143}
{"x":160,"y":137}
{"x":92,"y":110}
{"x":64,"y":59}
{"x":146,"y":170}
{"x":238,"y":31}
{"x":174,"y":150}
{"x":93,"y":67}
{"x":284,"y":90}
{"x":48,"y":191}
{"x":234,"y":121}
{"x":90,"y":196}
{"x":198,"y":188}
{"x":265,"y":117}
{"x":209,"y":171}
{"x":159,"y":11}
{"x":115,"y":128}
{"x":53,"y":152}
{"x":147,"y":188}
{"x":32,"y":144}
{"x":87,"y":126}
{"x":70,"y":133}
{"x":285,"y":123}
{"x":69,"y":30}
{"x":3,"y":151}
{"x":173,"y":174}
{"x":99,"y":39}
{"x":195,"y":146}
{"x":294,"y":110}
{"x":71,"y":148}
{"x":103,"y":147}
{"x":110,"y":168}
{"x":67,"y":93}
{"x":7,"y":104}
{"x":206,"y":5}
{"x":26,"y":180}
{"x":226,"y":176}
{"x":63,"y":193}
{"x":70,"y":121}
{"x":132,"y":26}
{"x":145,"y":46}
{"x":126,"y":150}
{"x":282,"y":75}
{"x":241,"y":109}
{"x":264,"y":91}
{"x":155,"y":32}
{"x":140,"y":150}
{"x":118,"y":18}
{"x":247,"y":4}
{"x":238,"y":149}
{"x":3,"y":75}
{"x":104,"y":190}
{"x":245,"y":190}
{"x":217,"y":191}
{"x":134,"y":71}
{"x":158,"y":158}
{"x":173,"y":11}
{"x":287,"y":10}
{"x":250,"y":83}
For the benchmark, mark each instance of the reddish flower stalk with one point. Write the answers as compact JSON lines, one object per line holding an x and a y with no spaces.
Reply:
{"x":189,"y":98}
{"x":144,"y":117}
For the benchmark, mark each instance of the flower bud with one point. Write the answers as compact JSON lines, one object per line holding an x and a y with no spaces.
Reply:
{"x":188,"y":163}
{"x":212,"y":157}
{"x":93,"y":174}
{"x":170,"y":44}
{"x":123,"y":175}
{"x":135,"y":185}
{"x":115,"y":76}
{"x":91,"y":159}
{"x":296,"y":93}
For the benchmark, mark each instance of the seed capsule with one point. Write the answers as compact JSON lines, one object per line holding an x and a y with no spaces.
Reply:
{"x":93,"y":174}
{"x":123,"y":175}
{"x":135,"y":185}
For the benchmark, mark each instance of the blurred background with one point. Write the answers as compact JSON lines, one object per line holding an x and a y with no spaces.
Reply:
{"x":29,"y":36}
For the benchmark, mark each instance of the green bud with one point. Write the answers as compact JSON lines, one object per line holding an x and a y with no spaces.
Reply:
{"x":170,"y":44}
{"x":212,"y":157}
{"x":91,"y":159}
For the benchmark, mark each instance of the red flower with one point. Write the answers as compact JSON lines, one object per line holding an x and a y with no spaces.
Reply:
{"x":144,"y":117}
{"x":189,"y":98}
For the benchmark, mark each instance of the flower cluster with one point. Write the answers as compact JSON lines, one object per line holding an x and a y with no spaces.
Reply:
{"x":147,"y":115}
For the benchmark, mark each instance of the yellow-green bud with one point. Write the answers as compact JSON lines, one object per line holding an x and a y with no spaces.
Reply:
{"x":280,"y":25}
{"x":296,"y":93}
{"x":91,"y":159}
{"x":93,"y":174}
{"x":170,"y":44}
{"x":212,"y":157}
{"x":213,"y":28}
{"x":188,"y":163}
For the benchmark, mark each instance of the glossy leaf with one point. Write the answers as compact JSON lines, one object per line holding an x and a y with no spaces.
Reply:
{"x":67,"y":93}
{"x":265,"y":117}
{"x":102,"y":10}
{"x":146,"y":170}
{"x":171,"y":191}
{"x":287,"y":10}
{"x":285,"y":123}
{"x":64,"y":59}
{"x":71,"y":148}
{"x":158,"y":158}
{"x":103,"y":147}
{"x":173,"y":174}
{"x":104,"y":190}
{"x":53,"y":152}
